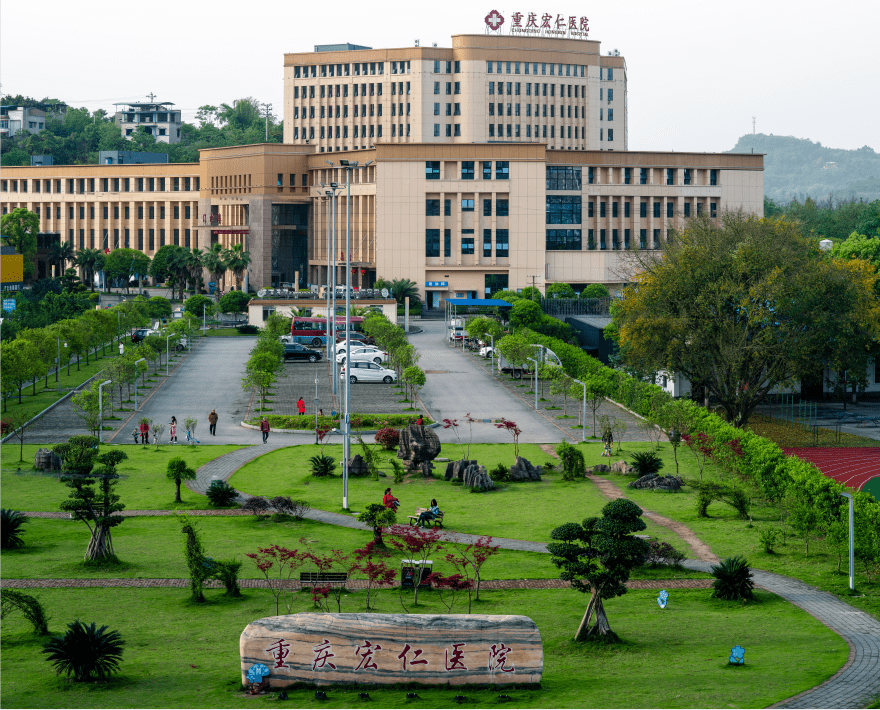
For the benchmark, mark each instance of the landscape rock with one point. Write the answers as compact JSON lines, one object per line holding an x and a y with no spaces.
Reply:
{"x":357,"y":466}
{"x":657,"y":482}
{"x":599,"y":468}
{"x":455,"y":470}
{"x":475,"y":476}
{"x":418,"y":445}
{"x":622,"y":467}
{"x":523,"y":470}
{"x":47,"y":460}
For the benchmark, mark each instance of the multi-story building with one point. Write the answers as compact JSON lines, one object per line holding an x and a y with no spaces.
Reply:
{"x":15,"y":120}
{"x":160,"y":120}
{"x":468,"y":213}
{"x":484,"y":89}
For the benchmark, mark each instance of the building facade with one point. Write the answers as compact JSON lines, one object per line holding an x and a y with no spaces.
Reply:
{"x":160,"y":120}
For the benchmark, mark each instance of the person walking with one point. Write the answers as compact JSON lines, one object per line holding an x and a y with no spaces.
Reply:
{"x":145,"y":432}
{"x":264,"y":427}
{"x":607,"y":439}
{"x":301,"y":406}
{"x":172,"y":430}
{"x":212,"y":422}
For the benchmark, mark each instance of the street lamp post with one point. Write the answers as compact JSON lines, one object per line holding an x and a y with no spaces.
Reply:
{"x":493,"y":353}
{"x":58,"y":370}
{"x":536,"y":380}
{"x":167,"y":353}
{"x":852,"y":560}
{"x":317,"y":402}
{"x":331,"y":278}
{"x":101,"y":410}
{"x":583,"y":411}
{"x":143,"y":359}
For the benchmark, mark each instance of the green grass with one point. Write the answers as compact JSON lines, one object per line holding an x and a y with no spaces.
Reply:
{"x":525,"y":511}
{"x":183,"y":655}
{"x":143,"y":485}
{"x":728,"y":535}
{"x":789,"y":435}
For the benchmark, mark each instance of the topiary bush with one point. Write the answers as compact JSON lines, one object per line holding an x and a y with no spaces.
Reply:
{"x":85,"y":651}
{"x":322,"y":466}
{"x":248,"y":329}
{"x":226,"y":572}
{"x":294,"y":508}
{"x":571,"y":460}
{"x":29,"y":606}
{"x":662,"y":553}
{"x":221,"y":494}
{"x":257,"y":505}
{"x":733,"y":579}
{"x":646,"y":462}
{"x":388,"y":438}
{"x":11,"y":524}
{"x":500,"y":473}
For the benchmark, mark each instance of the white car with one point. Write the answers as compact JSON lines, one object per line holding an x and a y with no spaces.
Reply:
{"x":364,"y":355}
{"x":486,"y":351}
{"x":340,"y":347}
{"x":368,"y":372}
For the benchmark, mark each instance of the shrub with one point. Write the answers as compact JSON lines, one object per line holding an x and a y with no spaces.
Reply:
{"x":257,"y":505}
{"x":221,"y":494}
{"x":646,"y":462}
{"x":29,"y":606}
{"x":322,"y":466}
{"x":500,"y":473}
{"x":248,"y":329}
{"x":769,"y":537}
{"x":733,"y":579}
{"x":571,"y":461}
{"x":388,"y":438}
{"x":226,"y":572}
{"x":662,"y":553}
{"x":294,"y":508}
{"x":399,"y":473}
{"x":85,"y":651}
{"x":11,"y":524}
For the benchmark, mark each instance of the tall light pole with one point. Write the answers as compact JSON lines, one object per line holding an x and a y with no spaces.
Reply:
{"x":331,"y":278}
{"x":852,"y":560}
{"x":349,"y":165}
{"x":143,"y":359}
{"x":267,"y":108}
{"x":583,"y":411}
{"x":530,"y":359}
{"x":101,"y":409}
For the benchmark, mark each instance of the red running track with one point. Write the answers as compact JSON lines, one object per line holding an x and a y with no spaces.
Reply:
{"x":852,"y":467}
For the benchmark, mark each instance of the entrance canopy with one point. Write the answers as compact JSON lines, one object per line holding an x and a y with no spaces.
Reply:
{"x":481,"y":302}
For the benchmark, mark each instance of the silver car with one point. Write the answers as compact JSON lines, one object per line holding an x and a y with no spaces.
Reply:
{"x":364,"y":355}
{"x":368,"y":372}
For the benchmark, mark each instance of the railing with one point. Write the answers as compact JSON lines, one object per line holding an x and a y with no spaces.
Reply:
{"x":576,"y":306}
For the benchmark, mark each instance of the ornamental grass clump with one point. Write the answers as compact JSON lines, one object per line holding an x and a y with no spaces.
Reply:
{"x":85,"y":652}
{"x":11,"y":524}
{"x":733,"y":579}
{"x":646,"y":462}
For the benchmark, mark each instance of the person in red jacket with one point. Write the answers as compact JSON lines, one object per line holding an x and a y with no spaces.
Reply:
{"x":145,"y":432}
{"x":264,"y":427}
{"x":301,"y":406}
{"x":389,"y":501}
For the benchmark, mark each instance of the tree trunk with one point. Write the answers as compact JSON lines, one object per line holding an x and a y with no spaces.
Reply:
{"x":100,"y":545}
{"x":601,"y":627}
{"x":177,"y":498}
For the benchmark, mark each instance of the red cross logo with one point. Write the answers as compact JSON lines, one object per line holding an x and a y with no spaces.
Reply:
{"x":494,"y":20}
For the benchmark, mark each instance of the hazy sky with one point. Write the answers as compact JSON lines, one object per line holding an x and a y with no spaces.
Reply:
{"x":698,"y":71}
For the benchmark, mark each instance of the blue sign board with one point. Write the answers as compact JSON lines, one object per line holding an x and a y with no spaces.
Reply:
{"x":436,"y":284}
{"x":9,"y":305}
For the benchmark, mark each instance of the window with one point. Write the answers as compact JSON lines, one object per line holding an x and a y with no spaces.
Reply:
{"x":436,"y":133}
{"x":713,"y":209}
{"x":656,"y":238}
{"x":449,"y":88}
{"x":491,"y":110}
{"x":487,"y":167}
{"x":491,"y":88}
{"x":436,"y":109}
{"x":456,"y":131}
{"x":432,"y":168}
{"x":432,"y":208}
{"x":670,"y":176}
{"x":626,"y":206}
{"x":467,"y":205}
{"x":501,"y":242}
{"x":591,"y":176}
{"x":614,"y":211}
{"x":447,"y":242}
{"x":502,"y":169}
{"x":457,"y":87}
{"x":489,"y":67}
{"x":487,"y":208}
{"x":487,"y":242}
{"x":627,"y":176}
{"x":643,"y":177}
{"x":432,"y":242}
{"x":643,"y":238}
{"x":687,"y":209}
{"x":563,"y":178}
{"x":449,"y":130}
{"x":563,"y":209}
{"x":590,"y":210}
{"x":687,"y":176}
{"x":610,"y":95}
{"x":603,"y":244}
{"x":669,"y":209}
{"x":491,"y":130}
{"x":447,"y":208}
{"x":602,"y":209}
{"x":563,"y":240}
{"x":713,"y":177}
{"x":503,"y":208}
{"x":615,"y":239}
{"x":436,"y":87}
{"x":467,"y":244}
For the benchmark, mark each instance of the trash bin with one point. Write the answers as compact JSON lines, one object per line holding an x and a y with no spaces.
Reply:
{"x":409,"y":572}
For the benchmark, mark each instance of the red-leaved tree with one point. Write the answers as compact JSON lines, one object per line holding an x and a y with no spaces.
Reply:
{"x":470,"y":560}
{"x":417,"y":544}
{"x":454,"y":583}
{"x":513,"y":430}
{"x":285,"y":562}
{"x":335,"y":561}
{"x":370,"y":559}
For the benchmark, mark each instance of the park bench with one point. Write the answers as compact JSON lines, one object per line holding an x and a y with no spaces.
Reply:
{"x":436,"y":522}
{"x":321,"y":579}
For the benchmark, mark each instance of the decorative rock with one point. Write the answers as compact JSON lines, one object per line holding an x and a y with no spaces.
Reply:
{"x":523,"y":470}
{"x":380,"y":649}
{"x":357,"y":466}
{"x":476,"y":477}
{"x":657,"y":482}
{"x":599,"y":468}
{"x":622,"y":467}
{"x":47,"y":460}
{"x":455,"y":470}
{"x":418,"y":444}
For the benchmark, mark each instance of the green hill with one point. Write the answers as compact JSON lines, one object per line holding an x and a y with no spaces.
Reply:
{"x":796,"y":168}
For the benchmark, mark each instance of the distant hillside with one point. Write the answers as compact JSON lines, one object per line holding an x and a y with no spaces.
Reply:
{"x":795,"y":168}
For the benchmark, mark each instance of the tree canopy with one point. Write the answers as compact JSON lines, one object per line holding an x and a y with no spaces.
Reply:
{"x":742,"y":305}
{"x":19,"y":229}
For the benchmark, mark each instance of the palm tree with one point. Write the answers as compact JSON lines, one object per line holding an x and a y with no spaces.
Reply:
{"x":403,"y":288}
{"x":90,"y":261}
{"x":177,"y":265}
{"x":237,"y":261}
{"x":194,"y":266}
{"x":61,"y":254}
{"x":214,"y":262}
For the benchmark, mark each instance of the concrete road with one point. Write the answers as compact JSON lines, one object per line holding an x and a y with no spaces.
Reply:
{"x":456,"y":386}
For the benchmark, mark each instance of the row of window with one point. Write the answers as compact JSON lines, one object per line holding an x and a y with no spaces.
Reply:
{"x":359,"y":110}
{"x":515,"y":110}
{"x":554,"y":69}
{"x":514,"y":89}
{"x":569,"y":178}
{"x":502,"y":242}
{"x":83,"y":186}
{"x":342,"y":131}
{"x":432,"y":207}
{"x":355,"y":69}
{"x":329,"y":91}
{"x":514,"y":131}
{"x":126,"y":236}
{"x":148,"y":212}
{"x":562,"y":209}
{"x":570,"y":239}
{"x":502,"y":169}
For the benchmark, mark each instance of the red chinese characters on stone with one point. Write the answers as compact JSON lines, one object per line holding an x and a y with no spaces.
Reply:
{"x":323,"y":654}
{"x":456,"y":661}
{"x":415,"y":659}
{"x":279,"y":653}
{"x":367,"y":662}
{"x":498,"y":658}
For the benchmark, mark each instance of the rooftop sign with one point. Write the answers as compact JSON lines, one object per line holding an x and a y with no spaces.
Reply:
{"x":543,"y":25}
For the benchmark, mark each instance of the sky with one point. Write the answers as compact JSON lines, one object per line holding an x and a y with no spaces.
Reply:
{"x":698,"y":71}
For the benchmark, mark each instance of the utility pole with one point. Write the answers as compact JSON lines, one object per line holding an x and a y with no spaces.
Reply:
{"x":152,"y":96}
{"x":753,"y":124}
{"x":533,"y":277}
{"x":267,"y":108}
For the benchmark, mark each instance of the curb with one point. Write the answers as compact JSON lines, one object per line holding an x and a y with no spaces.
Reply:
{"x":333,"y":431}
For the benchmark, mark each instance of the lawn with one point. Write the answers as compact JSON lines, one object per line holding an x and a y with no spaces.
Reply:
{"x":789,"y":435}
{"x":183,"y":655}
{"x":525,"y":511}
{"x":143,"y":485}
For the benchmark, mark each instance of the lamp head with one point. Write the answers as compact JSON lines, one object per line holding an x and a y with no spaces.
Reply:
{"x":329,"y":162}
{"x":345,"y":163}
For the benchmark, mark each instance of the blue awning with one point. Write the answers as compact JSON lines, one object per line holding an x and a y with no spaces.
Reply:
{"x":488,"y":302}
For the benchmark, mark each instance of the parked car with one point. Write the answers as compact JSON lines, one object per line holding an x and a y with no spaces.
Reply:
{"x":368,"y":372}
{"x":295,"y":351}
{"x":181,"y":344}
{"x":141,"y":333}
{"x":486,"y":351}
{"x":340,"y":346}
{"x":364,"y":355}
{"x":355,"y":335}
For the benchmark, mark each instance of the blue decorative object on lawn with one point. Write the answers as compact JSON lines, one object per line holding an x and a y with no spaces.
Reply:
{"x":662,"y":598}
{"x":256,"y":672}
{"x":737,"y":656}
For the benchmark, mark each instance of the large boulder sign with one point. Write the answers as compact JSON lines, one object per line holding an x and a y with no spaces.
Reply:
{"x":429,"y":649}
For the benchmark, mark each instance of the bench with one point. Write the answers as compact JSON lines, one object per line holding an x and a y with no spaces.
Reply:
{"x":320,"y":579}
{"x":436,"y":522}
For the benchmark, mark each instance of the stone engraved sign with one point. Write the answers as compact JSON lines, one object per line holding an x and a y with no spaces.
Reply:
{"x":431,"y":649}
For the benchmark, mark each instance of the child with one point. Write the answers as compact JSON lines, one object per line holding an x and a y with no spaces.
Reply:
{"x":607,"y":439}
{"x":172,"y":430}
{"x":136,"y":434}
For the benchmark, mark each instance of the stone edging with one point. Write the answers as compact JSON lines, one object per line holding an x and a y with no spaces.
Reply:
{"x":369,"y":432}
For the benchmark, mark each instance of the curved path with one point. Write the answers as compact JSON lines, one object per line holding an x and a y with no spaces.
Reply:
{"x":853,"y":686}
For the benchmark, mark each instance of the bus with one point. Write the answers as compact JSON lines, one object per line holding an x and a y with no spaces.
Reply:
{"x":313,"y":331}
